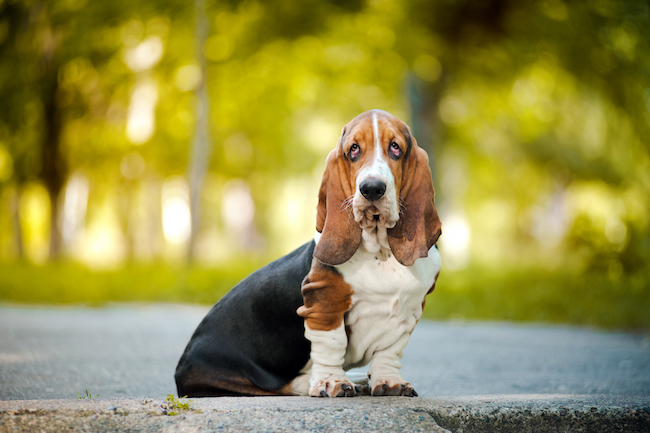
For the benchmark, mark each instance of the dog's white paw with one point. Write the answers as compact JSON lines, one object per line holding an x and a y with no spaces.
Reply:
{"x":392,"y":386}
{"x":333,"y":386}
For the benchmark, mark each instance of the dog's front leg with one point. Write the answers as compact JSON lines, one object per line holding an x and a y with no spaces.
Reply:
{"x":384,"y":371}
{"x":327,"y":297}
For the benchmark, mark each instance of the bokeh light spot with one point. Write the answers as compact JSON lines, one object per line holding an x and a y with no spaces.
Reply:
{"x":177,"y":223}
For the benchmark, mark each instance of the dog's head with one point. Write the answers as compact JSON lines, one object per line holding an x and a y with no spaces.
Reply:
{"x":377,"y":176}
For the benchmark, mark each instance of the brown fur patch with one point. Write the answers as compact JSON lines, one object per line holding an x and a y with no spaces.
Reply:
{"x":228,"y":383}
{"x":288,"y":390}
{"x":340,"y":234}
{"x":326,"y":296}
{"x":419,"y":226}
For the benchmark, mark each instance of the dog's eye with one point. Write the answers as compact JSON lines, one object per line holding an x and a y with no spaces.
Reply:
{"x":355,"y":151}
{"x":395,"y":151}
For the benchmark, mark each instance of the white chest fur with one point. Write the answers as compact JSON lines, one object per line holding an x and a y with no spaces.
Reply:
{"x":387,"y":300}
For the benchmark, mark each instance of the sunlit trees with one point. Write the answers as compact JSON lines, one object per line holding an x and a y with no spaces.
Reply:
{"x":58,"y":74}
{"x":542,"y":109}
{"x":536,"y":116}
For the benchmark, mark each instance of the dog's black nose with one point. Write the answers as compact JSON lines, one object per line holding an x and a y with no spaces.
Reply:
{"x":373,"y":189}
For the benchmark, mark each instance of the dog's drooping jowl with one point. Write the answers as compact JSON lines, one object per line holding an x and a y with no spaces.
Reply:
{"x":348,"y":298}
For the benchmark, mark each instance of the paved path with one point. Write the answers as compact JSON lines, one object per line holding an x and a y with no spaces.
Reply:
{"x":131,"y":351}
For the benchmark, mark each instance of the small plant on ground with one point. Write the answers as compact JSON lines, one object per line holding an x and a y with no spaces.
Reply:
{"x":87,"y":395}
{"x":174,"y":404}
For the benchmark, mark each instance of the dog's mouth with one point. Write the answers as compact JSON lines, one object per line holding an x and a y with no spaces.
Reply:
{"x":372,"y":217}
{"x":372,"y":213}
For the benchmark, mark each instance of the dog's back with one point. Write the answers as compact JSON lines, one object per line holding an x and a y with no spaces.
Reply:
{"x":241,"y":346}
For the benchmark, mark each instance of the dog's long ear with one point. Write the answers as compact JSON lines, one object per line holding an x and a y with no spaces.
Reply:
{"x":418,"y":227}
{"x":340,"y":234}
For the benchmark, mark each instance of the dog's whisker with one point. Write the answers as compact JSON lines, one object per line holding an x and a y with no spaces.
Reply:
{"x":347,"y":202}
{"x":401,"y":208}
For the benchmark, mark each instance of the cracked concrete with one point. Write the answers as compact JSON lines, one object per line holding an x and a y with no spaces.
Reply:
{"x":470,"y":376}
{"x":518,"y":413}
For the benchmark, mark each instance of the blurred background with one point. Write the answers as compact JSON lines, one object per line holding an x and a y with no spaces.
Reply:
{"x":162,"y":150}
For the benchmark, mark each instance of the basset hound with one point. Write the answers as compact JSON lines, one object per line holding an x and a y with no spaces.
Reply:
{"x":348,"y":298}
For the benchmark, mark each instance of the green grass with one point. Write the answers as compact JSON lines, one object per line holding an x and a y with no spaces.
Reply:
{"x":176,"y":406}
{"x":535,"y":295}
{"x":87,"y":395}
{"x":175,"y":403}
{"x":522,"y":294}
{"x":72,"y":283}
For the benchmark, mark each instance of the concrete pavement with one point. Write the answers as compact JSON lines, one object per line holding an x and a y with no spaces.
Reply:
{"x":509,"y":413}
{"x":131,"y":351}
{"x":470,"y":376}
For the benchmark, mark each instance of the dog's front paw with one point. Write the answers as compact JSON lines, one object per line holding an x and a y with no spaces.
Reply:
{"x":333,"y":386}
{"x":392,"y":386}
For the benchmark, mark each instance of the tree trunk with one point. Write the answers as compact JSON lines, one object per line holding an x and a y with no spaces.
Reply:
{"x":423,"y":103}
{"x":14,"y":201}
{"x":201,"y":145}
{"x":54,"y":166}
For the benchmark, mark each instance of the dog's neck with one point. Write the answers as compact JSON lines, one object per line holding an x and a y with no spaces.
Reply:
{"x":374,"y":239}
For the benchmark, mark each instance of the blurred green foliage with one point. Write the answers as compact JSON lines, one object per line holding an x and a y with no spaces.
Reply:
{"x":565,"y":295}
{"x":519,"y":294}
{"x":71,"y":283}
{"x":536,"y":116}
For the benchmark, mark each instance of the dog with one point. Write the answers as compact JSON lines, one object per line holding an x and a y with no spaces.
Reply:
{"x":348,"y":298}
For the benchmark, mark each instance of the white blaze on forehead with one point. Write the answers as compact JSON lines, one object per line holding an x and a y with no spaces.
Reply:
{"x":375,"y":132}
{"x":379,"y":168}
